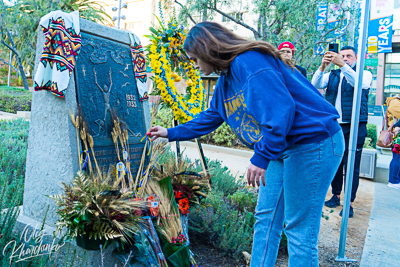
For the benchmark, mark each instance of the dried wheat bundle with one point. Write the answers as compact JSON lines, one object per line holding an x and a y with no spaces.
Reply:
{"x":148,"y":140}
{"x":76,"y":122}
{"x":83,"y":138}
{"x":157,"y":150}
{"x":169,"y":222}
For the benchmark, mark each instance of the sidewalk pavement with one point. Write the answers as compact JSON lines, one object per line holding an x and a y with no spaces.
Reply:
{"x":236,"y":160}
{"x":382,"y":243}
{"x":20,"y":114}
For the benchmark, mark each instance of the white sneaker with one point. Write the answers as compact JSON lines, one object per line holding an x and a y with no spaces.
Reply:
{"x":395,"y":186}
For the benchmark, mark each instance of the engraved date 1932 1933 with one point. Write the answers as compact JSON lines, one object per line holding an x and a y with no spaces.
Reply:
{"x":131,"y":101}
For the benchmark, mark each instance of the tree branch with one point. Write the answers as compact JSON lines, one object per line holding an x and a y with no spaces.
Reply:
{"x":12,"y":47}
{"x":31,"y":46}
{"x":323,"y":37}
{"x":8,"y":63}
{"x":301,"y":34}
{"x":186,"y":11}
{"x":257,"y":35}
{"x":281,"y":24}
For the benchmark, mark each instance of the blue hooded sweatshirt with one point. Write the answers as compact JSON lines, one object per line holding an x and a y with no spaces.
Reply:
{"x":268,"y":105}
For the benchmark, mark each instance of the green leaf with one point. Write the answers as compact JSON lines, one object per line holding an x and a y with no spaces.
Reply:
{"x":159,"y":21}
{"x":151,"y":37}
{"x":153,"y":30}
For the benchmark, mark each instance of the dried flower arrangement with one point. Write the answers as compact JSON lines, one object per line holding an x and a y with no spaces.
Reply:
{"x":100,"y":206}
{"x":97,"y":208}
{"x":189,"y":186}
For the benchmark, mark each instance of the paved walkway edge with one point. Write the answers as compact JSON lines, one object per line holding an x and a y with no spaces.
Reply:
{"x":221,"y":149}
{"x":20,"y":114}
{"x":382,"y":243}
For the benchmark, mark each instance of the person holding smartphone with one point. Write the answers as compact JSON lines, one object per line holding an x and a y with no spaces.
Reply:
{"x":338,"y":86}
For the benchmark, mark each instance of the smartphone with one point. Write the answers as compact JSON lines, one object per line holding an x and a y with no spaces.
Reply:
{"x":334,"y":48}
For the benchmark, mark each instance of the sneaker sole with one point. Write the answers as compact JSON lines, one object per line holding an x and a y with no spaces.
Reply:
{"x":395,"y":186}
{"x":350,"y":216}
{"x":332,"y":206}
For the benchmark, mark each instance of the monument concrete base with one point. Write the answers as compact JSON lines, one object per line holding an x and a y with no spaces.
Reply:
{"x":29,"y":230}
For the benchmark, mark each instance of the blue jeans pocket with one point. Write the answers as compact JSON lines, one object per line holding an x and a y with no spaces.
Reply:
{"x":338,"y":144}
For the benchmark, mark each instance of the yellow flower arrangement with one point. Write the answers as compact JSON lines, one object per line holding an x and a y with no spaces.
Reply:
{"x":170,"y":64}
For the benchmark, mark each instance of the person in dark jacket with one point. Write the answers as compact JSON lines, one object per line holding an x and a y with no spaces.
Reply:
{"x":287,"y":50}
{"x":292,"y":129}
{"x":339,"y":86}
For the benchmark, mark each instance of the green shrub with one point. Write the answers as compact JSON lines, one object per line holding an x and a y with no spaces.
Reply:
{"x":221,"y":178}
{"x":15,"y":99}
{"x":164,"y":118}
{"x":222,"y":225}
{"x":13,"y":140}
{"x":245,"y":199}
{"x":13,"y":148}
{"x":11,"y":194}
{"x":225,"y":136}
{"x":371,"y":135}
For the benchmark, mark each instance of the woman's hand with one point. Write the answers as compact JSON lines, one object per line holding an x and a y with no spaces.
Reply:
{"x":158,"y":131}
{"x":253,"y":175}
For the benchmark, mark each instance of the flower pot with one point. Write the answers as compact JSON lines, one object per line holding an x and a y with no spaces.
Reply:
{"x":89,"y":244}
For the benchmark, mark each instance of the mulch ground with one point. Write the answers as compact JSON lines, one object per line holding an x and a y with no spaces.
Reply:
{"x":206,"y":255}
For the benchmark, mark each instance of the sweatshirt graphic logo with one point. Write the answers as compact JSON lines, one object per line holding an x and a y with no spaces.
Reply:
{"x":242,"y":123}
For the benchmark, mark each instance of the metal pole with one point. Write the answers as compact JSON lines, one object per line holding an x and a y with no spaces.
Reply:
{"x":208,"y":92}
{"x":355,"y":117}
{"x":119,"y":13}
{"x":352,"y":23}
{"x":9,"y":69}
{"x":202,"y":158}
{"x":178,"y":147}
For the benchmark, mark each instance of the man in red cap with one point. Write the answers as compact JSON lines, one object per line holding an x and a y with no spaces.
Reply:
{"x":287,"y":50}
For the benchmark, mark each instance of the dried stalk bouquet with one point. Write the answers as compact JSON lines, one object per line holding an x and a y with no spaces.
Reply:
{"x":96,"y":207}
{"x":169,"y":222}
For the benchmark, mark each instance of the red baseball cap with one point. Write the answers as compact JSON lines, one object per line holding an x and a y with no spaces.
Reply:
{"x":287,"y":45}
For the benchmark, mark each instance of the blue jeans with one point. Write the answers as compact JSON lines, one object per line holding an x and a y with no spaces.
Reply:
{"x":394,"y":169}
{"x":296,"y":186}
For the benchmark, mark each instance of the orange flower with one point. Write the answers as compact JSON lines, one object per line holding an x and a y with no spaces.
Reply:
{"x":184,"y":206}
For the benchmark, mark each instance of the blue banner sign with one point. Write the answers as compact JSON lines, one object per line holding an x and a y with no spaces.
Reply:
{"x":327,"y":19}
{"x":380,"y":26}
{"x":380,"y":35}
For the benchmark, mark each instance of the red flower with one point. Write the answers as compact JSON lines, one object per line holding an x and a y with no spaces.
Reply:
{"x":178,"y":194}
{"x":184,"y":206}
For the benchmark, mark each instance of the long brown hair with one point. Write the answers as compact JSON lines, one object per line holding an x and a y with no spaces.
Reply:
{"x":218,"y":46}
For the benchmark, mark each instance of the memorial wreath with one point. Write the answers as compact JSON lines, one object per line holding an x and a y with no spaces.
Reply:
{"x":170,"y":64}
